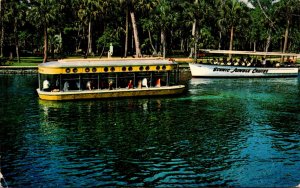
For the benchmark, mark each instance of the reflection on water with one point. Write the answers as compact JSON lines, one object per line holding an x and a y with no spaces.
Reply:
{"x":236,"y":132}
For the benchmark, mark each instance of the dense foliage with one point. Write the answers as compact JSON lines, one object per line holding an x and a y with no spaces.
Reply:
{"x":146,"y":27}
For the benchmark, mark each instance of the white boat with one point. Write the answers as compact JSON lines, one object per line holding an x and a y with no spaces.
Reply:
{"x":252,"y":67}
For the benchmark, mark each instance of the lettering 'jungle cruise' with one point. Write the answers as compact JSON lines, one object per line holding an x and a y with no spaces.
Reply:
{"x":217,"y":69}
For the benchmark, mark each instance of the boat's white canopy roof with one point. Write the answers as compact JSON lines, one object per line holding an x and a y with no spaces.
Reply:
{"x":106,"y":62}
{"x":255,"y":53}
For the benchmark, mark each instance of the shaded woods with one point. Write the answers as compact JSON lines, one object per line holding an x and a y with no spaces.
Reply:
{"x":57,"y":28}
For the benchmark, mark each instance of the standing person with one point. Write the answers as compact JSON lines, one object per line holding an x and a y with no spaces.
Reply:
{"x":145,"y":82}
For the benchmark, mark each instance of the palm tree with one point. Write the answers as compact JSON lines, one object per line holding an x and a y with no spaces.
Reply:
{"x":131,"y":7}
{"x":233,"y":15}
{"x":268,"y":17}
{"x":2,"y":8}
{"x":87,"y":13}
{"x":42,"y":13}
{"x":194,"y":35}
{"x":125,"y":5}
{"x":16,"y":11}
{"x":288,"y":9}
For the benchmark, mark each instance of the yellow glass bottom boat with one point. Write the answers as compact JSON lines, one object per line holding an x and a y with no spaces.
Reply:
{"x":86,"y":79}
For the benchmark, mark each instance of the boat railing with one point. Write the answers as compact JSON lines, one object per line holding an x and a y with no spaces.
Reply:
{"x":248,"y":63}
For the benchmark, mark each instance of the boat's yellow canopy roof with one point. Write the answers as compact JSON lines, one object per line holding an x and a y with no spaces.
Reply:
{"x":79,"y":66}
{"x":255,"y":53}
{"x":105,"y":63}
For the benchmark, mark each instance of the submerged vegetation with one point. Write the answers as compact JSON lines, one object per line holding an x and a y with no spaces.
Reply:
{"x":58,"y":28}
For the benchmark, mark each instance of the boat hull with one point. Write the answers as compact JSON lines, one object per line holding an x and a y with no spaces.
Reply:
{"x":117,"y":93}
{"x":203,"y":70}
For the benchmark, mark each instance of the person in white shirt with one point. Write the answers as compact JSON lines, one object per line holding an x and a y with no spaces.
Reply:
{"x":145,"y":82}
{"x":46,"y":85}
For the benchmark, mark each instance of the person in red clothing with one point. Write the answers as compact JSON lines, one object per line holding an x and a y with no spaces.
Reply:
{"x":157,"y":83}
{"x":130,"y":85}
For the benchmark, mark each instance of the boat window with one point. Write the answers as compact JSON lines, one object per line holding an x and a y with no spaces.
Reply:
{"x":172,"y":78}
{"x":161,"y":78}
{"x":124,"y":78}
{"x":89,"y":82}
{"x":49,"y":82}
{"x":140,"y":76}
{"x":70,"y":82}
{"x":108,"y":81}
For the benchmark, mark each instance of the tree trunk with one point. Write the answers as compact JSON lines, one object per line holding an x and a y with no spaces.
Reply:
{"x":182,"y":45}
{"x":268,"y":42}
{"x":193,"y":36}
{"x":193,"y":33}
{"x":126,"y":34}
{"x":89,"y":50}
{"x":220,"y":39}
{"x":231,"y":40}
{"x":45,"y":44}
{"x":195,"y":45}
{"x":163,"y":42}
{"x":52,"y":49}
{"x":254,"y":46}
{"x":2,"y":30}
{"x":286,"y":35}
{"x":150,"y":39}
{"x":2,"y":40}
{"x":16,"y":40}
{"x":136,"y":35}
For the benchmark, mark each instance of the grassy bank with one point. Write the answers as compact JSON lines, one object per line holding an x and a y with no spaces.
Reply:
{"x":24,"y":61}
{"x":34,"y":61}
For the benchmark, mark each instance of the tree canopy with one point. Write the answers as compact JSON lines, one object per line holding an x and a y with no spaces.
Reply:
{"x":146,"y":27}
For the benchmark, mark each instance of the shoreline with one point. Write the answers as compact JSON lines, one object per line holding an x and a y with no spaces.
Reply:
{"x":34,"y":69}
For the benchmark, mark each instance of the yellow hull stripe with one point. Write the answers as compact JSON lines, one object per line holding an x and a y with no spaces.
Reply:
{"x":100,"y":94}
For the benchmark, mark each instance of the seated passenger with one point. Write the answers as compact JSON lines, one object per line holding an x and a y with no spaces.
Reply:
{"x":264,"y":62}
{"x":89,"y":85}
{"x":46,"y":85}
{"x":145,"y":82}
{"x":140,"y":84}
{"x":110,"y":85}
{"x":157,"y":84}
{"x":66,"y":86}
{"x":130,"y":85}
